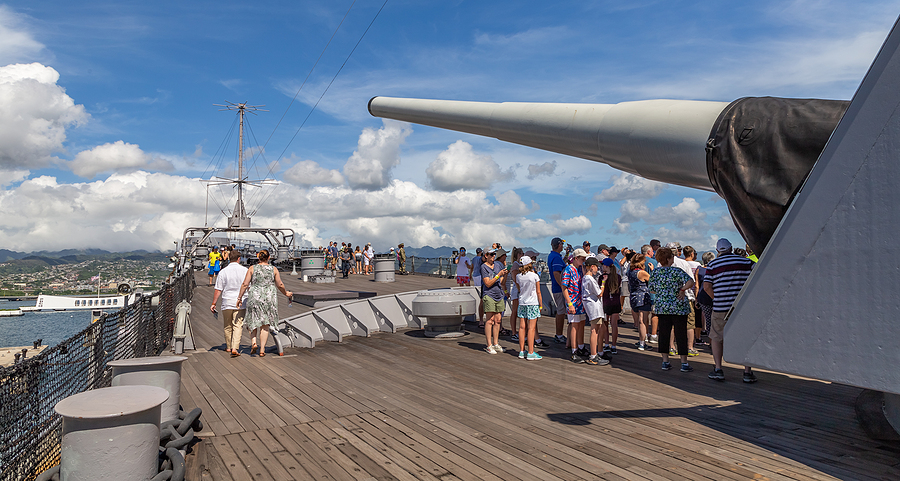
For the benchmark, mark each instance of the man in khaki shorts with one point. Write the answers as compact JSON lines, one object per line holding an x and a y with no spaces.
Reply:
{"x":725,"y":276}
{"x":228,"y":286}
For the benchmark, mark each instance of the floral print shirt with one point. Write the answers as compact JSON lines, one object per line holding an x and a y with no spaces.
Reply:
{"x":665,"y":282}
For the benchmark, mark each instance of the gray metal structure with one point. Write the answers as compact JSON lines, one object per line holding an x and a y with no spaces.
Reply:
{"x":111,"y":433}
{"x":662,"y":140}
{"x":363,"y":317}
{"x":820,"y":301}
{"x":444,"y":311}
{"x":817,"y":303}
{"x":383,"y":265}
{"x":159,"y":371}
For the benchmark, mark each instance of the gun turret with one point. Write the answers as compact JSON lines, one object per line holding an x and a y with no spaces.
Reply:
{"x":754,"y":152}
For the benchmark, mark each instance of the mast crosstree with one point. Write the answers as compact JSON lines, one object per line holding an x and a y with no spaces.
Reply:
{"x":239,"y":217}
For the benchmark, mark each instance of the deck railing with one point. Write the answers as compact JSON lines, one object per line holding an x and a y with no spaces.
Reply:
{"x":29,"y":390}
{"x":446,"y":267}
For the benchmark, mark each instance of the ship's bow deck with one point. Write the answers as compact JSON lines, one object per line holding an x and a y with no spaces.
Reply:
{"x":402,"y":406}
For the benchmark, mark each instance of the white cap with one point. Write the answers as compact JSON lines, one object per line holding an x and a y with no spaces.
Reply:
{"x":524,"y":260}
{"x":579,"y":253}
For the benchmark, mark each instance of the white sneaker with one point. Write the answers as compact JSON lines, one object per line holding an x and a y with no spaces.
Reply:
{"x":654,"y":339}
{"x":498,"y":348}
{"x":490,"y":350}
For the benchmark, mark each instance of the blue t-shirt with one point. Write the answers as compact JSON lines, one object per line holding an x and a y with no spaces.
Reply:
{"x":487,"y":271}
{"x":476,"y":265}
{"x":556,"y":264}
{"x":648,"y":261}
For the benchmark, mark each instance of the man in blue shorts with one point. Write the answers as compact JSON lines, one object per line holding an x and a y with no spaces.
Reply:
{"x":557,"y":265}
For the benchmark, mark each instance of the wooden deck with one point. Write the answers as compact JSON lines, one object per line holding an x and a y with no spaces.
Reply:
{"x":401,"y":406}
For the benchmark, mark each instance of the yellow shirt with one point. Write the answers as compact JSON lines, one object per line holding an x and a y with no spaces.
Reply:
{"x":213,"y":257}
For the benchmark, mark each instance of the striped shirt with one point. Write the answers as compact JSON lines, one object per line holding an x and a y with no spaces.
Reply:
{"x":727,"y":274}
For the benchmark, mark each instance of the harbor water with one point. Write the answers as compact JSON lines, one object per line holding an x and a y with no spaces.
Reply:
{"x":51,"y":326}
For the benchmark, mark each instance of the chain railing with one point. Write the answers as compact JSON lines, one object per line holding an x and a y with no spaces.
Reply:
{"x":30,"y":429}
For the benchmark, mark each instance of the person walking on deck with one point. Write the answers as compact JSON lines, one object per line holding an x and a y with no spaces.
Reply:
{"x":233,"y":308}
{"x":260,"y":283}
{"x":725,"y":276}
{"x":214,"y":264}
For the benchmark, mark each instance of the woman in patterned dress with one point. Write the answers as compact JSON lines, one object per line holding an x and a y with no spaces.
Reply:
{"x":262,"y":304}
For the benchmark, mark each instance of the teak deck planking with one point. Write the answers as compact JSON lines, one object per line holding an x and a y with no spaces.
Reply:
{"x":402,"y":406}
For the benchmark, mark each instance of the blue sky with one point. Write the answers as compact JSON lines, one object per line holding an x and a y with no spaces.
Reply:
{"x":107,"y":120}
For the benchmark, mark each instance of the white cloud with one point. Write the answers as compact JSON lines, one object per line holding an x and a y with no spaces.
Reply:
{"x":537,"y":170}
{"x":116,"y":157}
{"x":378,"y":151}
{"x":687,"y":213}
{"x":725,"y":223}
{"x":131,"y":211}
{"x":16,"y":42}
{"x":633,"y":211}
{"x":629,"y":186}
{"x":309,"y":172}
{"x":8,"y":177}
{"x":459,"y":167}
{"x":34,"y":115}
{"x":540,"y":228}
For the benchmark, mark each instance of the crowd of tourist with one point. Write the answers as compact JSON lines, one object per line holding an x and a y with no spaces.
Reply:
{"x":353,"y":260}
{"x":676,"y":300}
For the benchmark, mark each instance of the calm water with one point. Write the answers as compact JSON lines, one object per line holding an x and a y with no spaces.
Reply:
{"x":51,"y":326}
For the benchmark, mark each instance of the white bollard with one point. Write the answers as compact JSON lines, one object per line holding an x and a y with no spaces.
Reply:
{"x":111,"y":434}
{"x":159,"y":371}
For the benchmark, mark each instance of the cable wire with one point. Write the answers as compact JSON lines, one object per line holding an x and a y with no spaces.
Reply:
{"x":281,"y":156}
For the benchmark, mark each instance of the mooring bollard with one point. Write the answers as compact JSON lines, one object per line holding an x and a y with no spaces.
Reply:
{"x":159,"y":371}
{"x":111,"y":433}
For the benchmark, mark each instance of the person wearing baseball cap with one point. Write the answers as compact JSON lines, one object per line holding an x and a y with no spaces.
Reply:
{"x":493,"y":278}
{"x":529,"y":308}
{"x":463,"y":269}
{"x":571,"y":280}
{"x":593,"y":308}
{"x":725,"y":276}
{"x":557,"y":265}
{"x":586,"y":245}
{"x":477,"y":262}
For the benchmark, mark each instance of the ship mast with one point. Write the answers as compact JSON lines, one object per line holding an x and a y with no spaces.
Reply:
{"x":239,"y":218}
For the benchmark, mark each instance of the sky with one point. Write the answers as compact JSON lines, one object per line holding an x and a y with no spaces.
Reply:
{"x":109,"y":120}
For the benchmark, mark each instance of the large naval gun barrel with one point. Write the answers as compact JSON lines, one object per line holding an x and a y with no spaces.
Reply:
{"x":755,"y":152}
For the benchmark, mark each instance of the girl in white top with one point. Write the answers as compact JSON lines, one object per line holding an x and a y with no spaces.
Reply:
{"x":593,"y":306}
{"x":528,"y":284}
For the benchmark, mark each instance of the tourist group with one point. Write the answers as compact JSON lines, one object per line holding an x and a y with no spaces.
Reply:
{"x":676,"y":298}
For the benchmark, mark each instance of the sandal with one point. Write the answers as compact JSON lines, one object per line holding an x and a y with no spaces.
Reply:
{"x":505,"y":332}
{"x":235,"y":354}
{"x":262,"y":354}
{"x":253,"y":348}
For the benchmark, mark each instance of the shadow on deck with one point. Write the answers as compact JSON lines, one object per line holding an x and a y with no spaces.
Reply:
{"x":401,"y":406}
